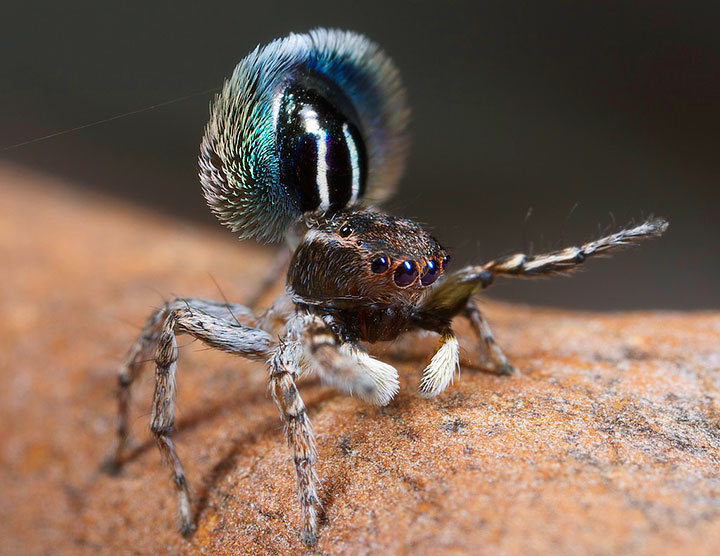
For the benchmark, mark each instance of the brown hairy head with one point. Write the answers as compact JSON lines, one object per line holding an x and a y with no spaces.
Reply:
{"x":365,"y":257}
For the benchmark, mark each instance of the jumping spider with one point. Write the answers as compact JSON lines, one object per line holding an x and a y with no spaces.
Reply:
{"x":304,"y":130}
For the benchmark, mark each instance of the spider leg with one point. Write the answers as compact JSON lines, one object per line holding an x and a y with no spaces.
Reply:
{"x":284,"y":369}
{"x":347,"y":366}
{"x":450,"y":297}
{"x":230,"y":312}
{"x":311,"y":342}
{"x":482,"y":330}
{"x":214,"y":323}
{"x":142,"y":351}
{"x":231,"y":337}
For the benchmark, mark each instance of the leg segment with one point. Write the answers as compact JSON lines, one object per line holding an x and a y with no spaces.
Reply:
{"x":311,"y":342}
{"x":284,"y":369}
{"x":230,"y":312}
{"x":482,"y":329}
{"x":567,"y":260}
{"x":140,"y":352}
{"x":163,"y":418}
{"x":228,"y":336}
{"x":143,"y":349}
{"x":450,"y":297}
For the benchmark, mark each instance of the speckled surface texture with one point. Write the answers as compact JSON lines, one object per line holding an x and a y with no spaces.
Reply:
{"x":606,"y":442}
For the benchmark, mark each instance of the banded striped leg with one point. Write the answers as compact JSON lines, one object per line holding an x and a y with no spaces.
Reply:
{"x":482,"y":329}
{"x":450,"y":297}
{"x":348,"y":367}
{"x":284,"y":370}
{"x":567,"y":260}
{"x":216,"y":332}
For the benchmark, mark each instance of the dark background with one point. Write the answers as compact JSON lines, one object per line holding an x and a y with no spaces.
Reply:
{"x":535,"y":124}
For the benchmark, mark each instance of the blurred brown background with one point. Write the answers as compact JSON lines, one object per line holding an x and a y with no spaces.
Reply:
{"x":536,"y":124}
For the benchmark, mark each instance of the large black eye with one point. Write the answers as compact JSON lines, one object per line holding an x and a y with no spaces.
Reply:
{"x":345,"y":230}
{"x":432,"y":270}
{"x":380,"y":264}
{"x":406,"y":273}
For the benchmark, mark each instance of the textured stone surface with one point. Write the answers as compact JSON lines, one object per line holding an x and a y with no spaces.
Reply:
{"x":606,"y":442}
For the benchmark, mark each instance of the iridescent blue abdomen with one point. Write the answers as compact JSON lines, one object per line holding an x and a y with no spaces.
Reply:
{"x":312,"y":122}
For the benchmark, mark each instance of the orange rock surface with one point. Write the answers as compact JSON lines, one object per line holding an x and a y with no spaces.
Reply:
{"x":607,"y":441}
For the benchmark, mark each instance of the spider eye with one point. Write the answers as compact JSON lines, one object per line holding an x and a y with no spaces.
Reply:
{"x":380,"y":264}
{"x":445,"y":261}
{"x":432,"y":270}
{"x":345,"y":230}
{"x":405,"y":273}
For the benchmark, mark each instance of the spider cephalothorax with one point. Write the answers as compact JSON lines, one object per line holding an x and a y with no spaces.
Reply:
{"x":367,"y":270}
{"x":307,"y":130}
{"x":357,"y":257}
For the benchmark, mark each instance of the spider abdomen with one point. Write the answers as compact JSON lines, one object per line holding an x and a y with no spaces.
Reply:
{"x":310,"y":122}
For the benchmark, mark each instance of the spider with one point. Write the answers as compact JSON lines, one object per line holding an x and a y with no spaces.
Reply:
{"x":308,"y":133}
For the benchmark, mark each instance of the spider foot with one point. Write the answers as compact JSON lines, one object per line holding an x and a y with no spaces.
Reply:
{"x":187,"y":528}
{"x":506,"y":369}
{"x":111,"y":466}
{"x":309,"y":536}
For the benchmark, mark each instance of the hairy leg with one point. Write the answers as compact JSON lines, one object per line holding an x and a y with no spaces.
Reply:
{"x":142,"y":351}
{"x":139,"y":353}
{"x":230,"y":312}
{"x":222,"y":334}
{"x":284,"y":369}
{"x":482,"y":330}
{"x":450,"y":297}
{"x":453,"y":296}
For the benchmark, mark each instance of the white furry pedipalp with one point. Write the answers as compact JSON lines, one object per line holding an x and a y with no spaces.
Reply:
{"x":439,"y":372}
{"x":384,"y":377}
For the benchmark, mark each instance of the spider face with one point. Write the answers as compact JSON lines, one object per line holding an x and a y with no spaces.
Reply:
{"x":360,"y":257}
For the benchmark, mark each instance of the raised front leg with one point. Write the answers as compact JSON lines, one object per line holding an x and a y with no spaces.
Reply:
{"x":482,"y":330}
{"x":450,"y":297}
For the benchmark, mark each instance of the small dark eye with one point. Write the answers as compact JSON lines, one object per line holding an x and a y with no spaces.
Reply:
{"x":380,"y":264}
{"x":406,"y":273}
{"x":432,"y":270}
{"x":445,"y":261}
{"x":345,"y":230}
